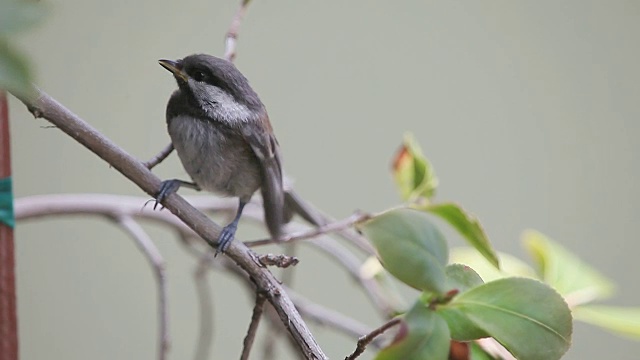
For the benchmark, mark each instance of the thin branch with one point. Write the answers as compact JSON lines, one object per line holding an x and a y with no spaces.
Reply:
{"x":330,"y":318}
{"x":353,"y":265}
{"x":232,"y":33}
{"x":318,"y":219}
{"x":350,"y":262}
{"x":152,"y":253}
{"x":253,"y":326}
{"x":116,"y":205}
{"x":47,"y":107}
{"x":205,"y":304}
{"x":324,"y":229}
{"x":151,"y":163}
{"x":367,"y":339}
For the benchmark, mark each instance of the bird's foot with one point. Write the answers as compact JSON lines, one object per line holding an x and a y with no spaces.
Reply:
{"x":167,"y":188}
{"x":227,"y":235}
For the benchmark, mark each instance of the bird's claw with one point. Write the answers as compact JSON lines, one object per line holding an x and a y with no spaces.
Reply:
{"x":227,"y":235}
{"x":167,"y":188}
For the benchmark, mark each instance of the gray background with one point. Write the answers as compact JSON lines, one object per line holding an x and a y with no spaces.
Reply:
{"x":528,"y":110}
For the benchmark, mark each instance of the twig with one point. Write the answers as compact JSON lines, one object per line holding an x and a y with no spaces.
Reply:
{"x":232,"y":33}
{"x":324,"y":229}
{"x":318,"y":219}
{"x":151,"y":252}
{"x":331,"y":318}
{"x":347,"y":260}
{"x":353,"y":265}
{"x":205,"y":304}
{"x":365,"y":340}
{"x":82,"y":132}
{"x":151,"y":163}
{"x":116,"y":205}
{"x":281,"y":261}
{"x":253,"y":326}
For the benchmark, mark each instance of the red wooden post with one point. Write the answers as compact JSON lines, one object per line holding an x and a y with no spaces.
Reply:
{"x":8,"y":318}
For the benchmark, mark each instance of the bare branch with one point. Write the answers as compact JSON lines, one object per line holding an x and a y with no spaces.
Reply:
{"x":205,"y":304}
{"x":281,"y":261}
{"x":324,"y":229}
{"x":232,"y":33}
{"x":367,"y":339}
{"x":152,"y":253}
{"x":253,"y":326}
{"x":114,"y":206}
{"x":352,"y":264}
{"x":317,"y":218}
{"x":331,"y":318}
{"x":82,"y":132}
{"x":346,"y":259}
{"x":117,"y":205}
{"x":151,"y":163}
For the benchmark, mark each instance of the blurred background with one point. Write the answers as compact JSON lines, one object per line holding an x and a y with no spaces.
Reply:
{"x":528,"y":110}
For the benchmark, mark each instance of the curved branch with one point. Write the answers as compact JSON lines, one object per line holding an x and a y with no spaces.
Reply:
{"x":312,"y":233}
{"x":117,"y":205}
{"x":368,"y":338}
{"x":253,"y":327}
{"x":47,"y":107}
{"x":152,"y":253}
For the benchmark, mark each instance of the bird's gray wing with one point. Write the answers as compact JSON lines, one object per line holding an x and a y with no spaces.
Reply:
{"x":266,"y":148}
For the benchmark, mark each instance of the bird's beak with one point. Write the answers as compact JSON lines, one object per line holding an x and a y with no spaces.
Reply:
{"x":175,"y":68}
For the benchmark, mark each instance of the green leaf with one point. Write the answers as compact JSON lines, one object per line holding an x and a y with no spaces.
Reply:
{"x":14,"y":73}
{"x":462,"y":278}
{"x":623,"y":321}
{"x":410,"y":247}
{"x":509,"y":264}
{"x":422,"y":335}
{"x":468,"y":226}
{"x":526,"y":316}
{"x":412,"y":172}
{"x":460,"y":326}
{"x":16,"y":16}
{"x":578,"y":282}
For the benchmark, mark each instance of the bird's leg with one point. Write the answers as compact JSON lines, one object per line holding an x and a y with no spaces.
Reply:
{"x":229,"y":232}
{"x":168,"y":187}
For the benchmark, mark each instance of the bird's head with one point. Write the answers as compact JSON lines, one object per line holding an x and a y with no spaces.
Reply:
{"x":216,"y":86}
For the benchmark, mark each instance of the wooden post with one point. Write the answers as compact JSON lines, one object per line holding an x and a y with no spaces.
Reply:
{"x":8,"y":318}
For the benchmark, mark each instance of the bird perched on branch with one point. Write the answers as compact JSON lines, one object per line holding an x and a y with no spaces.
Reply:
{"x":222,"y":134}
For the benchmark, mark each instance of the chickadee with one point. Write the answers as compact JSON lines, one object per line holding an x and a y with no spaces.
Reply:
{"x":222,"y":134}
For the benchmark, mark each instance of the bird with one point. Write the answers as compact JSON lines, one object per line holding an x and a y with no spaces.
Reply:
{"x":224,"y":139}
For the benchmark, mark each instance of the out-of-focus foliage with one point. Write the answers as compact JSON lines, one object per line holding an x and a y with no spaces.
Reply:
{"x":16,"y":16}
{"x":481,"y":293}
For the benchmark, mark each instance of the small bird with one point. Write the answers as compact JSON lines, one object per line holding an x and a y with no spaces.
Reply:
{"x":222,"y":134}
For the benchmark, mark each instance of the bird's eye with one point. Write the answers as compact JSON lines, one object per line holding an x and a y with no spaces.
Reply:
{"x":199,"y":76}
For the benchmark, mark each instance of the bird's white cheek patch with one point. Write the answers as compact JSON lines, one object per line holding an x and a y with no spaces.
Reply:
{"x":218,"y":104}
